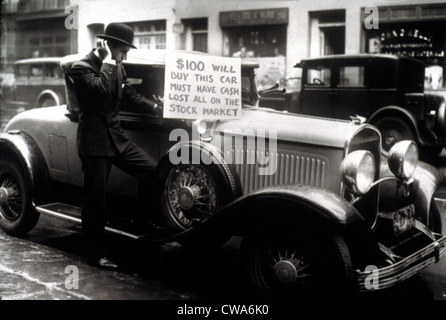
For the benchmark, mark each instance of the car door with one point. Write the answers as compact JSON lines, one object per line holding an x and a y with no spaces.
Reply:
{"x":149,"y":132}
{"x":316,"y":88}
{"x":349,"y":95}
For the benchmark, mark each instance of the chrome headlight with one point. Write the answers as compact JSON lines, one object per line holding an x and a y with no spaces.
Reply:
{"x":403,"y":159}
{"x":358,"y":171}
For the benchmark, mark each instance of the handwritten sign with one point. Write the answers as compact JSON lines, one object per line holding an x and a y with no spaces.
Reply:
{"x":202,"y":87}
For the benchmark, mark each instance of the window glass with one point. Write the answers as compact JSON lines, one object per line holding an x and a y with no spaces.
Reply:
{"x":22,"y":71}
{"x":52,"y":71}
{"x":351,"y":76}
{"x":150,"y":34}
{"x":36,"y":71}
{"x":319,"y":77}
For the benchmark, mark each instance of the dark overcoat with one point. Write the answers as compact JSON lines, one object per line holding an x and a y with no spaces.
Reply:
{"x":100,"y":90}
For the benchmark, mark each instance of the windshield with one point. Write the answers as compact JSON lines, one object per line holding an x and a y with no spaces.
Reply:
{"x":249,"y":88}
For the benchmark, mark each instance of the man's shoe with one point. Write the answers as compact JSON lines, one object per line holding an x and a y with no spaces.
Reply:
{"x":104,"y":263}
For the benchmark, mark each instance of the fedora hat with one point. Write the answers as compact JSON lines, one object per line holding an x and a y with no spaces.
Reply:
{"x":119,"y":32}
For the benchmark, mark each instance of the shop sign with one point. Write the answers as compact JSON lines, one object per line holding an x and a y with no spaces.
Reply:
{"x":202,"y":87}
{"x":409,"y":42}
{"x":254,"y":17}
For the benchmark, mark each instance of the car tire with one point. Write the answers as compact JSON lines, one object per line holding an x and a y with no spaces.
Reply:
{"x":17,"y":214}
{"x":392,"y":131}
{"x":191,"y":193}
{"x":287,"y":265}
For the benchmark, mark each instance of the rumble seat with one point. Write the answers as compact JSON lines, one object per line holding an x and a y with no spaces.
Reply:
{"x":72,"y":103}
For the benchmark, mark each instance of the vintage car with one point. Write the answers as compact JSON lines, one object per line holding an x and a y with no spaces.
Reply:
{"x":388,"y":91}
{"x":37,"y":82}
{"x":316,"y":209}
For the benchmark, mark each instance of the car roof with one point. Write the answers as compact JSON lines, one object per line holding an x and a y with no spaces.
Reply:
{"x":39,"y":60}
{"x":361,"y":56}
{"x":154,"y":57}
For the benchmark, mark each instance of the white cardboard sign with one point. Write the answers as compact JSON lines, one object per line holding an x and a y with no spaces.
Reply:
{"x":202,"y":87}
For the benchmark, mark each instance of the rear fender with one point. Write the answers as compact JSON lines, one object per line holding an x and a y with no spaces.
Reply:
{"x":401,"y":113}
{"x":18,"y":146}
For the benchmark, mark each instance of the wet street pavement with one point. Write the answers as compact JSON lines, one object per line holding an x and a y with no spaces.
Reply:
{"x":47,"y":264}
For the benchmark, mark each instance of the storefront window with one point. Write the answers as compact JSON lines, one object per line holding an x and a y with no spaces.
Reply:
{"x":149,"y":34}
{"x":261,"y":36}
{"x":422,"y":37}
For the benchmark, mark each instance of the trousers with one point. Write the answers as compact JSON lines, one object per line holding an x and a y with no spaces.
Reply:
{"x":96,"y":169}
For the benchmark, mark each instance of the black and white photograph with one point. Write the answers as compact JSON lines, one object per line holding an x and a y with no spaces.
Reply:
{"x":239,"y":152}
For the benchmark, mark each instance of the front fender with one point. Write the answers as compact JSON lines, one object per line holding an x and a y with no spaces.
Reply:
{"x":427,"y":180}
{"x":18,"y":146}
{"x":294,"y":208}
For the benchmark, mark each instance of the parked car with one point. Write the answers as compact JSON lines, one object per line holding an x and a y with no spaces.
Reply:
{"x":388,"y":91}
{"x":37,"y":82}
{"x":315,"y":210}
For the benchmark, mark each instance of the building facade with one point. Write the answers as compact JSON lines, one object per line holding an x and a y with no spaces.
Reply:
{"x":35,"y":29}
{"x":277,"y":33}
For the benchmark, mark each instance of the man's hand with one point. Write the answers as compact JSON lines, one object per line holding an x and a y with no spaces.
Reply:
{"x":103,"y":49}
{"x":104,"y":52}
{"x":158,"y":104}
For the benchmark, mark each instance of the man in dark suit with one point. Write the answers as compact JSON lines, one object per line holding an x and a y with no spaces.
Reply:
{"x":100,"y":85}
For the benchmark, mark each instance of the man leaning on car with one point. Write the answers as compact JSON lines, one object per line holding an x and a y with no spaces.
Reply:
{"x":100,"y":84}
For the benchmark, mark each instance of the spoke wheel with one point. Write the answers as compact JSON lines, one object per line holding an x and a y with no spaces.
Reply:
{"x":287,"y":266}
{"x":11,"y":198}
{"x":191,"y":195}
{"x":16,"y":213}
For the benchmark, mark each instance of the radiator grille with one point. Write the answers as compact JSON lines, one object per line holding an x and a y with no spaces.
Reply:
{"x":291,"y":168}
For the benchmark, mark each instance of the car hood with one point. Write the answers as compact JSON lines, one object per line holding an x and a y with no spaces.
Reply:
{"x":288,"y":126}
{"x":293,"y":127}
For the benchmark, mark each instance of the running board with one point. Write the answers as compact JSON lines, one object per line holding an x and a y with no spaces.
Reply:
{"x":72,"y":213}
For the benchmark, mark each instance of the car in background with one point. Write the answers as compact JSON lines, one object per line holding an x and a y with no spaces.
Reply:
{"x":37,"y":83}
{"x":314,"y":203}
{"x":386,"y":90}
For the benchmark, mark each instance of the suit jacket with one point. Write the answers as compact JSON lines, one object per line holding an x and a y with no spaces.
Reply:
{"x":100,"y":89}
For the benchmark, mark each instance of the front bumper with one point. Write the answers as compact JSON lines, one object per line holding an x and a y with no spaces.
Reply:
{"x":385,"y":277}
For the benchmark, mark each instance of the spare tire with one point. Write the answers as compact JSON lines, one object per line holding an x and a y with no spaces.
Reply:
{"x":192,"y":191}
